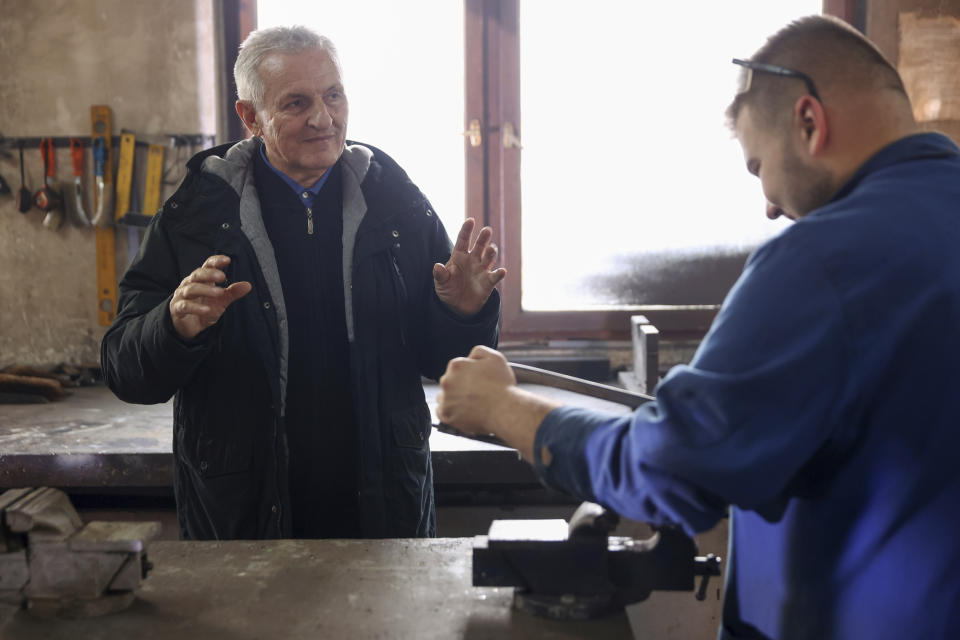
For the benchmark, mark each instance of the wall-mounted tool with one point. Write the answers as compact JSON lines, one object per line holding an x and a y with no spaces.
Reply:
{"x":52,"y":564}
{"x":153,"y":189}
{"x":125,"y":175}
{"x":100,"y":122}
{"x":47,"y":198}
{"x":103,"y":194}
{"x":24,"y":196}
{"x":128,"y":203}
{"x":76,"y":156}
{"x":4,"y":187}
{"x":138,"y":216}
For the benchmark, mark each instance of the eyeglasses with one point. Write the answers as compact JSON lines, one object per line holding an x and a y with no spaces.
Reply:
{"x":752,"y":67}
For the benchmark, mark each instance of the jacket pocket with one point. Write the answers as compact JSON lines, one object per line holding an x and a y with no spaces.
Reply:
{"x":213,"y":447}
{"x":407,"y":482}
{"x":219,"y":458}
{"x":210,"y":458}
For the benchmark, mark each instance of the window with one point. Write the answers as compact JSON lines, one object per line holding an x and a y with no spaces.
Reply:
{"x":603,"y":163}
{"x":632,"y":189}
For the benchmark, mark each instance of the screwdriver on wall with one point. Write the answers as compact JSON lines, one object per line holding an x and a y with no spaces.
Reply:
{"x":47,"y":199}
{"x":24,"y":196}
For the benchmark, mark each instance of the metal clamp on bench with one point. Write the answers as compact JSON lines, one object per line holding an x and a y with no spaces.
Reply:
{"x":580,"y":571}
{"x":53,"y":565}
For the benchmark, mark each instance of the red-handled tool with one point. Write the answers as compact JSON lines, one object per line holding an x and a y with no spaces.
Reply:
{"x":76,"y":156}
{"x":47,"y":199}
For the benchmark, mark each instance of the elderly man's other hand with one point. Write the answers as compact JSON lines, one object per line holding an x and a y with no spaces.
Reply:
{"x":198,"y":302}
{"x":465,"y":282}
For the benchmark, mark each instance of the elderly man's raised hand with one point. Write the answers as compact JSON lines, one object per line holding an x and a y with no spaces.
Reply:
{"x":198,"y":302}
{"x":465,"y":282}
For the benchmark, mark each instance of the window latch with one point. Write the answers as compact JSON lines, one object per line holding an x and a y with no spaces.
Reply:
{"x":474,"y":133}
{"x":510,"y":138}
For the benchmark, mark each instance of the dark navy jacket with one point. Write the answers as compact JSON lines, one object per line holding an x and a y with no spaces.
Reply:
{"x":824,"y":406}
{"x":230,"y":451}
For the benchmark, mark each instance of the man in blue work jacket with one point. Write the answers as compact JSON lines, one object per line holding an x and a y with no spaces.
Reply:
{"x":821,"y":409}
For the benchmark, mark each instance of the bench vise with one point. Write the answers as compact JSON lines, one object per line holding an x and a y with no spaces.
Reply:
{"x":579,"y":571}
{"x":54,"y":565}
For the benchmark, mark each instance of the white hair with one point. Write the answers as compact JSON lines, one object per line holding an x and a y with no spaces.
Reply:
{"x":263,"y":42}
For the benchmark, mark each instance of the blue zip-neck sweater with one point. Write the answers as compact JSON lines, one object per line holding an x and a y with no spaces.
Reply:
{"x":320,"y":422}
{"x":823,"y":408}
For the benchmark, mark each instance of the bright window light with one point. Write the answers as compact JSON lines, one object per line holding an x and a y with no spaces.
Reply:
{"x":629,"y":176}
{"x":628,"y":171}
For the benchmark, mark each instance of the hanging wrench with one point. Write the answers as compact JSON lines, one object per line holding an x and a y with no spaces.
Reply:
{"x":47,"y":199}
{"x":76,"y":155}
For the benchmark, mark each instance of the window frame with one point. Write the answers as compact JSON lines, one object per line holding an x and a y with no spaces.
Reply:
{"x":494,"y":98}
{"x":238,"y":19}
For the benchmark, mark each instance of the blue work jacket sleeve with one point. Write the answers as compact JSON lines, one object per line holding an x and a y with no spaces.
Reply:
{"x":762,"y":395}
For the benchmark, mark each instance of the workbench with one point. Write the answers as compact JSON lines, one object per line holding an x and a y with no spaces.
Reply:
{"x":330,"y":589}
{"x":93,"y":441}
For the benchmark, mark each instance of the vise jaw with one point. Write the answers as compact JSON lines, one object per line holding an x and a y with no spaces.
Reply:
{"x":579,"y":571}
{"x":52,"y":564}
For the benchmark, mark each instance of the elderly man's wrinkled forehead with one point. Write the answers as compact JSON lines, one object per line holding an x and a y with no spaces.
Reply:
{"x":275,"y":61}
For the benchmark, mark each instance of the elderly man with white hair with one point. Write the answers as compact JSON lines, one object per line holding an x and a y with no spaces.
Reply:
{"x":290,"y":295}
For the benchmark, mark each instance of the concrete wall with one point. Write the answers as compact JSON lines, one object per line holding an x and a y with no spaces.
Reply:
{"x":922,"y":38}
{"x":153,"y":64}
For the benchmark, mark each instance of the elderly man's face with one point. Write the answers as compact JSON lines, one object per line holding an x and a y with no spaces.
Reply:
{"x":303,"y":121}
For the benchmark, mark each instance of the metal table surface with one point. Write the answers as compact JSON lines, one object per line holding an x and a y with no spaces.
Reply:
{"x":93,"y":440}
{"x":384,"y":589}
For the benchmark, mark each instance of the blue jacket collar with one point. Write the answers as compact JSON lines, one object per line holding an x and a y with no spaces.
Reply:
{"x":920,"y":146}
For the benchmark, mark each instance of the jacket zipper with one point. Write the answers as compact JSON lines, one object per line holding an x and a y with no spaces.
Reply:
{"x":309,"y":221}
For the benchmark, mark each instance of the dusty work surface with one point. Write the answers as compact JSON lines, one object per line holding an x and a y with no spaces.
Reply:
{"x":92,"y":439}
{"x":384,"y":589}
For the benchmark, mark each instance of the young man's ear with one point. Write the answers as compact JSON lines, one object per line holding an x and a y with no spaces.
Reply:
{"x":249,"y":116}
{"x":811,"y":123}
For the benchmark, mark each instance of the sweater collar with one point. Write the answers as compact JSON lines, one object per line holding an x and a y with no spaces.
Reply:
{"x":306,"y":195}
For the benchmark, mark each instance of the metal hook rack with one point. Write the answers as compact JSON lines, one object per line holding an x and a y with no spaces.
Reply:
{"x":63,"y":142}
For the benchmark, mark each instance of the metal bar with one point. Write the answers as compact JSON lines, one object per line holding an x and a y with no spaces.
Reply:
{"x":526,"y":374}
{"x":533,"y":375}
